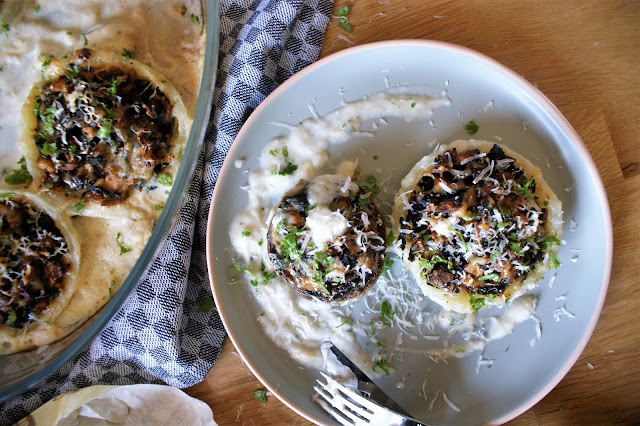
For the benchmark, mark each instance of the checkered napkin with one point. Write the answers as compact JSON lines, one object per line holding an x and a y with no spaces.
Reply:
{"x":163,"y":333}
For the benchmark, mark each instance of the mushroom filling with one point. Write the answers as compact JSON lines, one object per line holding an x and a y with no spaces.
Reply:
{"x":102,"y":131}
{"x":332,"y":250}
{"x":473,"y":222}
{"x":34,"y":261}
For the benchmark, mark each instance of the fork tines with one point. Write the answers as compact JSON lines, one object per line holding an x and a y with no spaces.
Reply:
{"x":349,"y":408}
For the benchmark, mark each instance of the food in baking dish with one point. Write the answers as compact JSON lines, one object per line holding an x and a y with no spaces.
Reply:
{"x":477,"y":225}
{"x":39,"y":261}
{"x":103,"y":134}
{"x":326,"y":239}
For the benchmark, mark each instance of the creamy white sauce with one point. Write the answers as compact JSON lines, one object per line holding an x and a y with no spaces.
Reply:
{"x":419,"y":326}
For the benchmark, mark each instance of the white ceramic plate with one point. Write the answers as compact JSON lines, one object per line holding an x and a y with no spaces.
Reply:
{"x":504,"y":105}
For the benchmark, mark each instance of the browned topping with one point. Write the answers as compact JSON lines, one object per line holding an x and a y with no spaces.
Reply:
{"x":34,"y":261}
{"x":101,"y":132}
{"x":473,"y":221}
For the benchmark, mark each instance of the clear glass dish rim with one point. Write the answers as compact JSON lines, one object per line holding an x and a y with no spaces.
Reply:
{"x":165,"y":223}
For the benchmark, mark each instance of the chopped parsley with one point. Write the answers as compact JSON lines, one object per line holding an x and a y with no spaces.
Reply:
{"x":260,"y":395}
{"x":113,"y":88}
{"x":159,"y":207}
{"x":288,"y":170}
{"x":554,"y":262}
{"x":246,"y":232}
{"x":413,"y":104}
{"x":477,"y":302}
{"x":464,"y":243}
{"x":285,"y":151}
{"x":429,"y":264}
{"x":5,"y":27}
{"x":48,"y":149}
{"x":6,"y":195}
{"x":343,"y":21}
{"x":550,"y":240}
{"x":388,"y":263}
{"x":289,"y":247}
{"x":524,"y":189}
{"x":375,"y":157}
{"x":386,"y":313}
{"x":490,"y":277}
{"x":123,"y":249}
{"x":370,"y":190}
{"x":262,"y":278}
{"x":165,"y":179}
{"x":503,"y":225}
{"x":85,"y":39}
{"x":111,"y":285}
{"x":382,"y":364}
{"x":37,"y":7}
{"x":45,"y":64}
{"x":127,"y":53}
{"x":12,"y":317}
{"x":77,"y":207}
{"x":19,"y":176}
{"x":205,"y":305}
{"x":105,"y":130}
{"x":195,"y":19}
{"x":260,"y":242}
{"x":471,"y":127}
{"x":274,"y":152}
{"x":109,"y":111}
{"x":347,"y":321}
{"x":73,"y":70}
{"x":390,"y":238}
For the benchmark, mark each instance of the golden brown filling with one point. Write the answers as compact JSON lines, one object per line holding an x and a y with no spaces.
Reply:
{"x":102,"y":132}
{"x":474,"y":222}
{"x":34,"y":261}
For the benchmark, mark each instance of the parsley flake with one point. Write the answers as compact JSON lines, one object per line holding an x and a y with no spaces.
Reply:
{"x":127,"y":53}
{"x":472,"y":127}
{"x":123,"y":249}
{"x":260,"y":395}
{"x":490,"y":277}
{"x":246,"y":232}
{"x":386,"y":313}
{"x":383,"y":364}
{"x":288,"y":169}
{"x":12,"y":316}
{"x":105,"y":130}
{"x":165,"y":179}
{"x":77,"y":207}
{"x":19,"y":176}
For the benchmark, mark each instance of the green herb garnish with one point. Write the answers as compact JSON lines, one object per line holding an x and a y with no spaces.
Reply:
{"x":84,"y":37}
{"x":12,"y":316}
{"x":388,"y":263}
{"x":464,"y":243}
{"x":471,"y":127}
{"x":524,"y":189}
{"x":260,"y":395}
{"x":288,"y":170}
{"x":77,"y":207}
{"x":477,"y":302}
{"x":19,"y":176}
{"x":123,"y":249}
{"x":383,"y":364}
{"x":347,"y":321}
{"x":127,"y":53}
{"x":386,"y":313}
{"x":165,"y":179}
{"x":285,"y":151}
{"x":48,"y":149}
{"x":554,"y":262}
{"x":113,"y":88}
{"x":105,"y":130}
{"x":6,"y":195}
{"x":246,"y":232}
{"x":45,"y":64}
{"x":490,"y":277}
{"x":429,"y":264}
{"x":159,"y":207}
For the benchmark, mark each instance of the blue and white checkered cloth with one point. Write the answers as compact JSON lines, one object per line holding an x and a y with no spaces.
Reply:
{"x":160,"y":335}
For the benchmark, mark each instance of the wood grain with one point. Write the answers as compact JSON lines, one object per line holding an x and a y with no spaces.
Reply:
{"x":585,"y":57}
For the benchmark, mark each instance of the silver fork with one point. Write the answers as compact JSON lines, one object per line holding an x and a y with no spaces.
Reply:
{"x":350,"y":408}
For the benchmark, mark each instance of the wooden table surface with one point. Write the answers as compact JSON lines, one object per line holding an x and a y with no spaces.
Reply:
{"x":585,"y":57}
